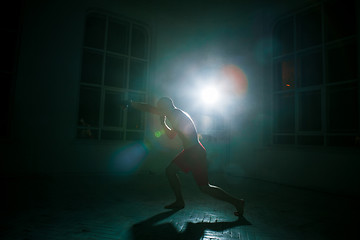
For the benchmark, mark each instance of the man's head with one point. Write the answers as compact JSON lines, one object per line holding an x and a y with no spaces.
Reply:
{"x":165,"y":104}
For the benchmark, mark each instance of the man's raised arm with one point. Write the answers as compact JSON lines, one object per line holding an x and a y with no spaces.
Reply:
{"x":145,"y":107}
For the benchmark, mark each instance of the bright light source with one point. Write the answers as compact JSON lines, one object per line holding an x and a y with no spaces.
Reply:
{"x":209,"y":95}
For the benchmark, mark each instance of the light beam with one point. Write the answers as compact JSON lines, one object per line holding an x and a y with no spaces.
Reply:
{"x":210,"y":95}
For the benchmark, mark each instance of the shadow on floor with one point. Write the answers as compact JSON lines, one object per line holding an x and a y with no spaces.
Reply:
{"x":149,"y":230}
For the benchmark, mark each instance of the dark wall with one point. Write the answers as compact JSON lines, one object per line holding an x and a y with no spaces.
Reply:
{"x":189,"y":40}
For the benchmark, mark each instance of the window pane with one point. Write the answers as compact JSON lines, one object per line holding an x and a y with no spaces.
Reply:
{"x":137,"y":78}
{"x":284,"y":37}
{"x":115,"y":71}
{"x":285,"y":74}
{"x":135,"y":118}
{"x":113,"y":113}
{"x":311,"y":140}
{"x":284,"y":139}
{"x":89,"y":106}
{"x":343,"y":108}
{"x":118,"y":35}
{"x":308,"y":28}
{"x":134,"y":136}
{"x":95,"y":31}
{"x":310,"y":69}
{"x":340,"y":19}
{"x":139,"y":41}
{"x":342,"y":62}
{"x":111,"y":135}
{"x":84,"y":132}
{"x":285,"y":113}
{"x":92,"y":67}
{"x":310,"y":111}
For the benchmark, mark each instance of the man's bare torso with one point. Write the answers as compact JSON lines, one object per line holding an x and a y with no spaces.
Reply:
{"x":184,"y":126}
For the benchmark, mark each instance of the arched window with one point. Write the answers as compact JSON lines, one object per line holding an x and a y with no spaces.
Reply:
{"x":316,"y":85}
{"x":115,"y":65}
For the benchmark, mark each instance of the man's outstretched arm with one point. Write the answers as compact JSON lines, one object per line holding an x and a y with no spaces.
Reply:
{"x":145,"y":107}
{"x":169,"y":132}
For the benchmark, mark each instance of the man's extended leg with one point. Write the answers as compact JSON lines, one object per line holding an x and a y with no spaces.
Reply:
{"x":220,"y":194}
{"x":171,"y":173}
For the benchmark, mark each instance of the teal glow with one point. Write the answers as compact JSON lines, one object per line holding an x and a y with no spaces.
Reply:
{"x":159,"y":133}
{"x":129,"y":158}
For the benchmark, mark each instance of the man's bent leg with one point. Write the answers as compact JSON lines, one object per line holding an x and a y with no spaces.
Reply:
{"x":171,"y":174}
{"x":220,"y":194}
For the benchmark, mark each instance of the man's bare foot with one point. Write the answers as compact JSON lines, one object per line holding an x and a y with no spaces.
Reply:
{"x":175,"y":205}
{"x":240,"y":208}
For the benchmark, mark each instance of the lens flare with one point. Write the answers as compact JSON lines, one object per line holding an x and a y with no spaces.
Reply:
{"x":238,"y":82}
{"x":127,"y":159}
{"x":159,"y":133}
{"x":210,"y":95}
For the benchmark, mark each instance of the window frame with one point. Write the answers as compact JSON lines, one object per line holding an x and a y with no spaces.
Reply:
{"x":323,"y":86}
{"x":123,"y":91}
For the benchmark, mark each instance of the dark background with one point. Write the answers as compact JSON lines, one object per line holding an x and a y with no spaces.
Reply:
{"x":41,"y":62}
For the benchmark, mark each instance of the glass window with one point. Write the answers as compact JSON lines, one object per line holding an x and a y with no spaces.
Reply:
{"x":342,"y":63}
{"x":343,"y":108}
{"x":89,"y":106}
{"x":135,"y":118}
{"x":118,"y":37}
{"x":308,"y":28}
{"x":113,"y":113}
{"x":311,"y":140}
{"x":139,"y":42}
{"x":310,"y":68}
{"x":285,"y":113}
{"x":115,"y":71}
{"x":285,"y":74}
{"x":284,"y":37}
{"x":110,"y":75}
{"x":133,"y":136}
{"x":92,"y":67}
{"x":86,"y":132}
{"x":137,"y":75}
{"x":316,"y":91}
{"x":310,"y":111}
{"x":284,"y":139}
{"x":112,"y":135}
{"x":340,"y":19}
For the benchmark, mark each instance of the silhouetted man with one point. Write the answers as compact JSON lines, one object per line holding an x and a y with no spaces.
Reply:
{"x":191,"y":159}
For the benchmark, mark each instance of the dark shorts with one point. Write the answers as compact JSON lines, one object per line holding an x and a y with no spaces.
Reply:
{"x":193,"y":159}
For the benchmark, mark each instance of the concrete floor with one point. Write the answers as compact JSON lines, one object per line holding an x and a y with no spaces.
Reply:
{"x":113,"y":207}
